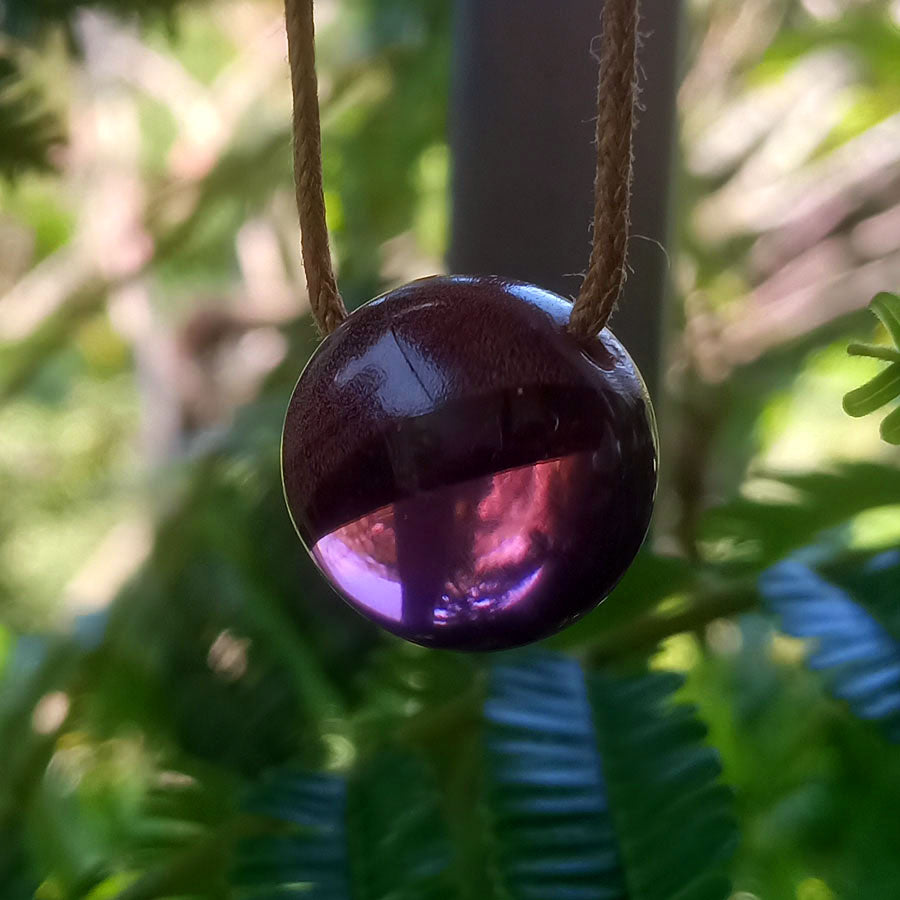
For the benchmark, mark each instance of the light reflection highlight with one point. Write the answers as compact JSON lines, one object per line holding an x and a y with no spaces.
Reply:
{"x":460,"y":554}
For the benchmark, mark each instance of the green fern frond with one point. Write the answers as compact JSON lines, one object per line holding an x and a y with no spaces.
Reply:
{"x":310,"y":850}
{"x":860,"y":656}
{"x":375,"y":835}
{"x":674,"y":819}
{"x":885,"y":386}
{"x":179,"y":809}
{"x":549,"y":801}
{"x":601,"y":789}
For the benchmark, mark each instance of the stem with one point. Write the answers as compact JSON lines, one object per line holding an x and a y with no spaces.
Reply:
{"x":715,"y":602}
{"x":875,"y":351}
{"x":647,"y":632}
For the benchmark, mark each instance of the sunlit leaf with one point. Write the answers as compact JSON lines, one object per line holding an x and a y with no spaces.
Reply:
{"x":875,"y":393}
{"x":887,"y":307}
{"x":756,"y":533}
{"x":885,"y":386}
{"x":890,"y":427}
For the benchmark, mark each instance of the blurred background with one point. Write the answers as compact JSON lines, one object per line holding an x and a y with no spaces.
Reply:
{"x":164,"y":641}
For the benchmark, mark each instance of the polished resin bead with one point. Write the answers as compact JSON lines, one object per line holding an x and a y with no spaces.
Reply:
{"x":463,"y":470}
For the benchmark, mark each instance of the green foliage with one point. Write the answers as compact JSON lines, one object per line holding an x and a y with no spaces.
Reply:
{"x":860,"y":655}
{"x":222,"y":727}
{"x":377,"y":836}
{"x":407,"y":48}
{"x":550,"y":807}
{"x":884,"y":387}
{"x":24,"y":17}
{"x":747,"y":534}
{"x":28,"y":131}
{"x":603,"y":788}
{"x":565,"y":754}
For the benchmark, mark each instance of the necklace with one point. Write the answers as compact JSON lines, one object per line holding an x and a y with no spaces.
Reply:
{"x":470,"y":461}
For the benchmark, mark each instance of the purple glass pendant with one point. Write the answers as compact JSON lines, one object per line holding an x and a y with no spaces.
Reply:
{"x":463,"y":470}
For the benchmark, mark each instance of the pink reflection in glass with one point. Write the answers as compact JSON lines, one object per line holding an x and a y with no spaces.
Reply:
{"x":457,"y":556}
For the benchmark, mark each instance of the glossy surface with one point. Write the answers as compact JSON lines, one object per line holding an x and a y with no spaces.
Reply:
{"x":465,"y":472}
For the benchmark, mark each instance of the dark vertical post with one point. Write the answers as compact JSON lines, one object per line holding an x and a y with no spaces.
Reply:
{"x":522,"y":136}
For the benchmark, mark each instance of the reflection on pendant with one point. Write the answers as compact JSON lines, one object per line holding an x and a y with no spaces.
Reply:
{"x":463,"y":470}
{"x":460,"y":555}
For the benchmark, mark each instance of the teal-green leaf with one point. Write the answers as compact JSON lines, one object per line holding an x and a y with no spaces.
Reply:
{"x":376,"y":835}
{"x":675,"y":833}
{"x":601,"y":788}
{"x":875,"y":393}
{"x":887,"y":307}
{"x":860,"y":656}
{"x":547,"y":797}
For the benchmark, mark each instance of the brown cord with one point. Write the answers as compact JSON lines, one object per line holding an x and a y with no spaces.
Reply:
{"x":327,"y":305}
{"x":616,"y":101}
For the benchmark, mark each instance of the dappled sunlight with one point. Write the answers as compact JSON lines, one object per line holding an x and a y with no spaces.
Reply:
{"x":185,"y":707}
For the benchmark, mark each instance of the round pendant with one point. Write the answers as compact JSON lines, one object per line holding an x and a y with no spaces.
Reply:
{"x":463,"y":470}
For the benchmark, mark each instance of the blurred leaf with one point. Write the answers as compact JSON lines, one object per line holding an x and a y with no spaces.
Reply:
{"x":24,"y":17}
{"x":182,"y":838}
{"x":28,"y":132}
{"x":180,"y":807}
{"x":601,"y":789}
{"x":38,"y":666}
{"x":310,"y":853}
{"x":862,"y":28}
{"x":871,"y":579}
{"x":111,"y":887}
{"x":16,"y":876}
{"x":752,"y":534}
{"x":376,"y":835}
{"x":406,"y":685}
{"x":860,"y":655}
{"x":650,"y":579}
{"x":409,"y":45}
{"x":62,"y":839}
